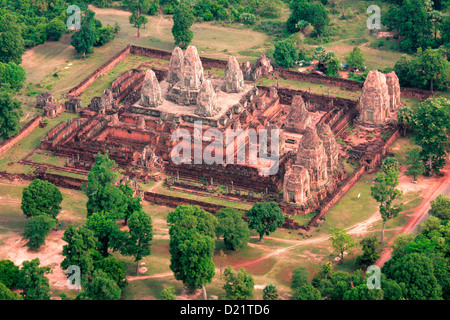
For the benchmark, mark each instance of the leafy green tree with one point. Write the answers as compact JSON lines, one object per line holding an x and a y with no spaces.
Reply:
{"x":285,"y":53}
{"x":399,"y":244}
{"x":307,"y":292}
{"x":269,"y":9}
{"x":299,"y":12}
{"x":440,"y":207}
{"x":415,"y":163}
{"x":183,"y":19}
{"x":385,"y":193}
{"x":133,"y":203}
{"x":78,"y":251}
{"x":402,"y":69}
{"x":318,"y":17}
{"x":391,"y":289}
{"x":238,"y":285}
{"x":12,"y":74}
{"x":55,"y":29}
{"x":415,"y":273}
{"x":113,"y":268}
{"x":334,"y":285}
{"x":84,"y":40}
{"x":106,"y":231}
{"x":371,"y":252}
{"x":404,"y":118}
{"x":362,"y":292}
{"x":105,"y":35}
{"x":33,"y":282}
{"x":431,"y":124}
{"x":7,"y":294}
{"x":41,"y":198}
{"x":168,"y":293}
{"x":192,"y":232}
{"x":10,"y":113}
{"x":11,"y":41}
{"x":431,"y":69}
{"x":270,"y":292}
{"x":9,"y":273}
{"x":355,"y":59}
{"x":265,"y":218}
{"x":341,"y":241}
{"x":37,"y":229}
{"x":137,"y":8}
{"x":102,"y":194}
{"x":233,"y":228}
{"x":139,"y":237}
{"x":333,"y":67}
{"x":101,"y":287}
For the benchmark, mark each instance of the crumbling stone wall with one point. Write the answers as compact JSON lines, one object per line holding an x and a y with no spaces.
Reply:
{"x":25,"y":131}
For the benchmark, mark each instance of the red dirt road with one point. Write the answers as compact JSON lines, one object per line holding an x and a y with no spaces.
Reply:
{"x":442,"y":185}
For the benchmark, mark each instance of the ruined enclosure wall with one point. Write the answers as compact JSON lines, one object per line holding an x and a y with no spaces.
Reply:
{"x":25,"y":131}
{"x":415,"y":93}
{"x":109,"y":65}
{"x":173,"y":202}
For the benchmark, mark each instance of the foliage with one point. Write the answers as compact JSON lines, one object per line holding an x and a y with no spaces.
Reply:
{"x":41,"y":198}
{"x":105,"y":230}
{"x":183,"y":18}
{"x":33,"y":282}
{"x":233,"y":228}
{"x":55,"y":29}
{"x":265,"y":218}
{"x":12,"y":74}
{"x":7,"y":294}
{"x":192,"y":232}
{"x":312,"y":12}
{"x":10,"y":113}
{"x":238,"y":285}
{"x":362,"y":292}
{"x":404,"y":118}
{"x":36,"y":229}
{"x":84,"y":39}
{"x":11,"y":41}
{"x":9,"y":273}
{"x":341,"y":241}
{"x":356,"y":60}
{"x":113,"y":268}
{"x":299,"y":278}
{"x":168,"y":293}
{"x":285,"y":53}
{"x":371,"y":252}
{"x":270,"y":292}
{"x":431,"y":124}
{"x":101,"y":287}
{"x":440,"y":207}
{"x":307,"y":292}
{"x":431,"y":69}
{"x":415,"y":163}
{"x":105,"y":35}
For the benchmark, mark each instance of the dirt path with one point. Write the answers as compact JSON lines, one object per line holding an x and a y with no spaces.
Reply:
{"x":441,"y":185}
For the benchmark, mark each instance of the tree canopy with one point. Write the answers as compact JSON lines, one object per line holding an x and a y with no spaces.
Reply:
{"x":265,"y":218}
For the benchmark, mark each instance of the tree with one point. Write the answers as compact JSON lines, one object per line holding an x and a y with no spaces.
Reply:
{"x":9,"y":114}
{"x":102,"y":194}
{"x":139,"y":237}
{"x":183,"y":18}
{"x":238,"y":285}
{"x":192,"y":232}
{"x":33,"y":282}
{"x":285,"y":53}
{"x":404,"y":118}
{"x":341,"y":241}
{"x":333,"y":67}
{"x":270,"y":292}
{"x":431,"y":69}
{"x":440,"y":207}
{"x":431,"y":124}
{"x":415,"y":163}
{"x":168,"y":293}
{"x":41,"y":198}
{"x":355,"y":59}
{"x":9,"y":273}
{"x":399,"y":244}
{"x":79,"y":249}
{"x":55,"y":29}
{"x":7,"y":294}
{"x":362,"y":292}
{"x":12,"y":74}
{"x":101,"y":287}
{"x":137,"y":8}
{"x":84,"y":40}
{"x":133,"y":203}
{"x":415,"y":273}
{"x":318,"y":17}
{"x":106,"y":231}
{"x":11,"y":41}
{"x":299,"y":12}
{"x":385,"y":192}
{"x":233,"y":228}
{"x":113,"y":268}
{"x":371,"y":252}
{"x":402,"y":69}
{"x":37,"y":229}
{"x":265,"y":218}
{"x":307,"y":292}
